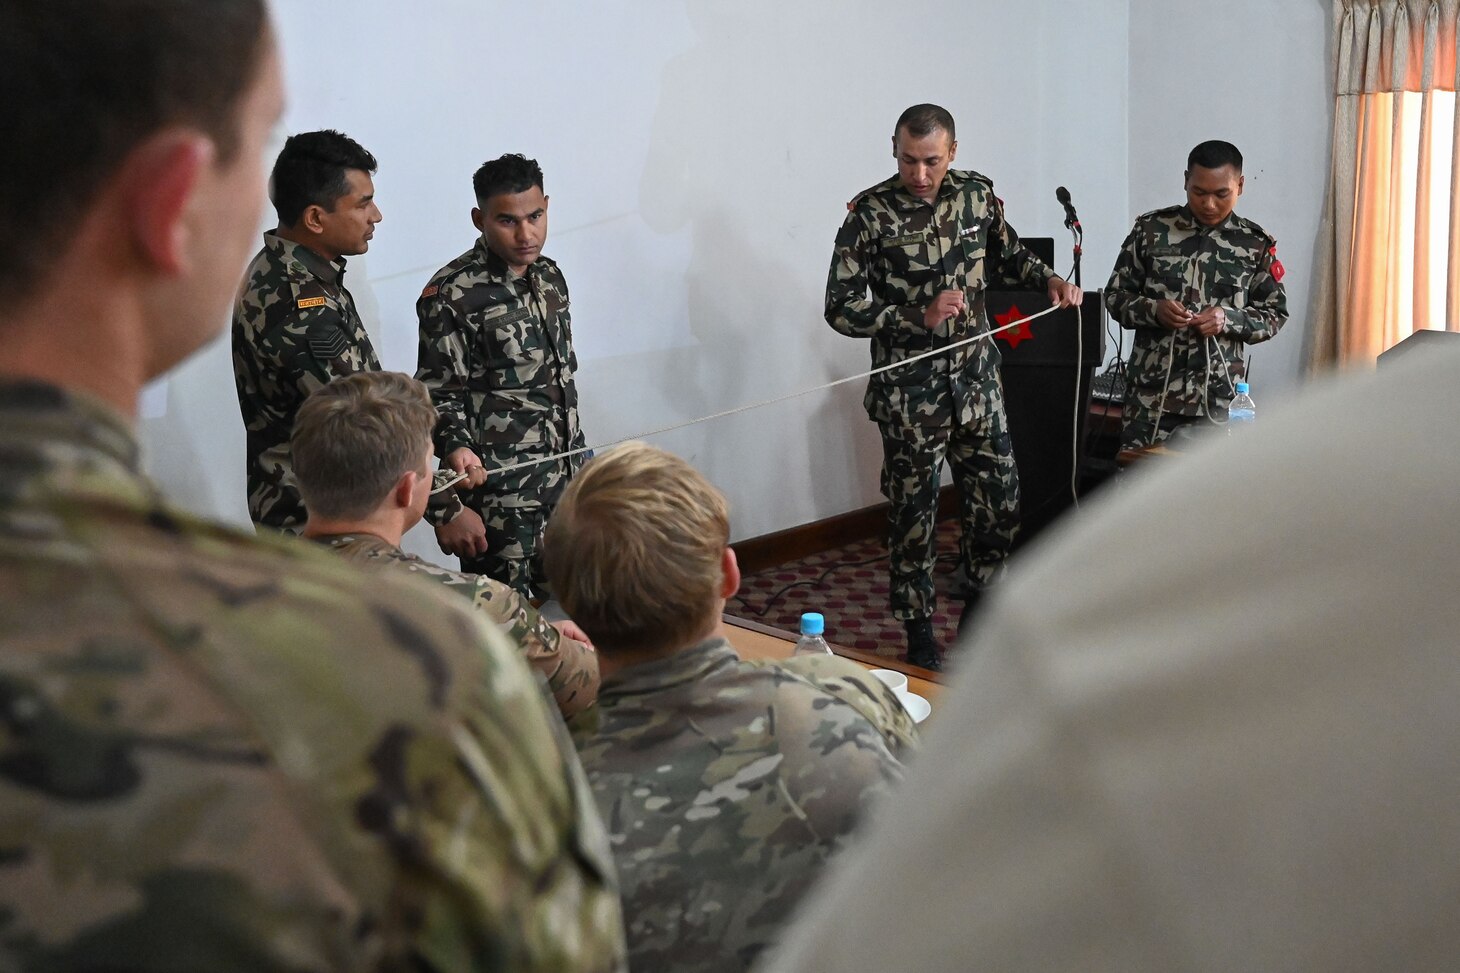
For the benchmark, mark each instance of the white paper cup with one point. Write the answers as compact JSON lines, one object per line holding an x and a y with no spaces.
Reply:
{"x":895,"y":681}
{"x":917,"y":707}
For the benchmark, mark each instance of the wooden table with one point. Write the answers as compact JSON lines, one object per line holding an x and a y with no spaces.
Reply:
{"x":755,"y":641}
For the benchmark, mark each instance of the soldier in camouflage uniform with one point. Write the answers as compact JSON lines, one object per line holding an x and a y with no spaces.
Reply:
{"x":295,"y":326}
{"x":1195,"y":283}
{"x":362,"y":449}
{"x":497,"y":353}
{"x":726,"y":785}
{"x":912,"y":262}
{"x":218,"y":751}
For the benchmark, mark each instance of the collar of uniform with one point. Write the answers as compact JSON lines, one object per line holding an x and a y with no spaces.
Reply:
{"x":331,"y":272}
{"x":367,"y":541}
{"x":1192,"y":223}
{"x":685,"y":666}
{"x":497,"y":267}
{"x":68,"y":429}
{"x":953,"y":181}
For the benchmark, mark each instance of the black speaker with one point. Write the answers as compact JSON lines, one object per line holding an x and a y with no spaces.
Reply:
{"x":1042,"y":362}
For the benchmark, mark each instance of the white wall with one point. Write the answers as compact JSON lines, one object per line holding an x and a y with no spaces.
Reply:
{"x":1256,"y":73}
{"x":698,"y":155}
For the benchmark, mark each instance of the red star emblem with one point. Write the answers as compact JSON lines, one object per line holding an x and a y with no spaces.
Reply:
{"x":1014,"y":335}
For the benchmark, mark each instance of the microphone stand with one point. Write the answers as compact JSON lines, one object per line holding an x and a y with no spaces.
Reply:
{"x":1078,"y":232}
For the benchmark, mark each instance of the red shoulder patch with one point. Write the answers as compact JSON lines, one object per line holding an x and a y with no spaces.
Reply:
{"x":851,"y":206}
{"x":1276,"y":270}
{"x":431,"y":291}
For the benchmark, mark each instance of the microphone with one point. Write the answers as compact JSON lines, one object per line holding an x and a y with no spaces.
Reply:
{"x":1063,"y":195}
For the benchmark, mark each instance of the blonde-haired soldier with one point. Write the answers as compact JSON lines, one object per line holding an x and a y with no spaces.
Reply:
{"x":362,"y":455}
{"x":726,"y":784}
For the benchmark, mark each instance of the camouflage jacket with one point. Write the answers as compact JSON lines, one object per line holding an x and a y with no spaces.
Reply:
{"x":1169,"y":255}
{"x":225,"y":752}
{"x":569,"y":666}
{"x":894,"y":254}
{"x":497,"y":353}
{"x":295,"y":329}
{"x":726,"y":786}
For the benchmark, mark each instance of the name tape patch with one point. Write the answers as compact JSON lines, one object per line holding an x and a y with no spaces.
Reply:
{"x":311,"y":302}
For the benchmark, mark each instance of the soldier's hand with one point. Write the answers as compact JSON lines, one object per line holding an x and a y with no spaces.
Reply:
{"x":1064,"y":294}
{"x":465,"y":536}
{"x":946,"y":305}
{"x":1173,"y":314}
{"x":1209,"y":322}
{"x":463,"y":460}
{"x":570,"y":628}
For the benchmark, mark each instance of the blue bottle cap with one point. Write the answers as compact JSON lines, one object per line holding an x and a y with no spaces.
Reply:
{"x":1241,"y":388}
{"x":812,"y":623}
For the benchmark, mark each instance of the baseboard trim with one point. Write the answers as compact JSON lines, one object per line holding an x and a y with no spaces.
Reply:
{"x":772,"y":550}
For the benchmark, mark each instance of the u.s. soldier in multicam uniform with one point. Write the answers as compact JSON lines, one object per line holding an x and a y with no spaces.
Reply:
{"x":1195,"y":283}
{"x":218,"y":751}
{"x":926,"y":243}
{"x":497,"y":353}
{"x":726,"y":785}
{"x":362,"y":452}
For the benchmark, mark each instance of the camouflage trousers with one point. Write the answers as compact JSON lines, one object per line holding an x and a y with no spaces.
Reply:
{"x":987,"y":482}
{"x":514,"y":545}
{"x":1139,"y":429}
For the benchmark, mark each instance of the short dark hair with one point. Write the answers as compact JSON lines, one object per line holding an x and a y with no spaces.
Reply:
{"x":85,"y":82}
{"x":512,"y":173}
{"x":313,"y":170}
{"x":922,"y":120}
{"x":1214,"y":154}
{"x":355,"y":437}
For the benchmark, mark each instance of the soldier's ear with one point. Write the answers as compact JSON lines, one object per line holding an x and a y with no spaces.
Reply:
{"x":730,"y":573}
{"x":158,"y":184}
{"x":1241,"y":181}
{"x":312,"y":219}
{"x":403,"y":494}
{"x":478,"y":218}
{"x":952,"y":150}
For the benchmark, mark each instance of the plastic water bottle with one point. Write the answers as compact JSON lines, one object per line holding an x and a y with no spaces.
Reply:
{"x":1242,"y":412}
{"x":811,"y":641}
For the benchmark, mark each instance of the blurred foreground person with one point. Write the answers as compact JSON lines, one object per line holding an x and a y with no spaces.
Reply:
{"x":1235,"y":749}
{"x":219,"y":752}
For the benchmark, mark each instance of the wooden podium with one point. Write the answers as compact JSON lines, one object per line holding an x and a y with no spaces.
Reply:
{"x":1043,"y":361}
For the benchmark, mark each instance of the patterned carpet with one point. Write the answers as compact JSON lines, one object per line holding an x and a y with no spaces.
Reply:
{"x":849,"y":586}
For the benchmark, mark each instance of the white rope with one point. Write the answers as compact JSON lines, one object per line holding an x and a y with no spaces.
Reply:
{"x":780,"y":398}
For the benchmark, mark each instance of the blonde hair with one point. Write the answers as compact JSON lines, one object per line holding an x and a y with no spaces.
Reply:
{"x":634,"y":550}
{"x":356,"y":437}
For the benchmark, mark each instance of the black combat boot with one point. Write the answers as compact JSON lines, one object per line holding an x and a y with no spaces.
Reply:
{"x":922,"y":647}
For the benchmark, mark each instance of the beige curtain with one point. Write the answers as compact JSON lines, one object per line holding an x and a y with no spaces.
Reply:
{"x":1391,"y":233}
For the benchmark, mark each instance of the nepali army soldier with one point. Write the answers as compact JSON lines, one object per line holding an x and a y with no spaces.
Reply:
{"x":912,"y":263}
{"x":362,"y":457}
{"x":295,"y":326}
{"x":496,"y":352}
{"x":1195,"y":283}
{"x":726,"y":785}
{"x":220,"y":751}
